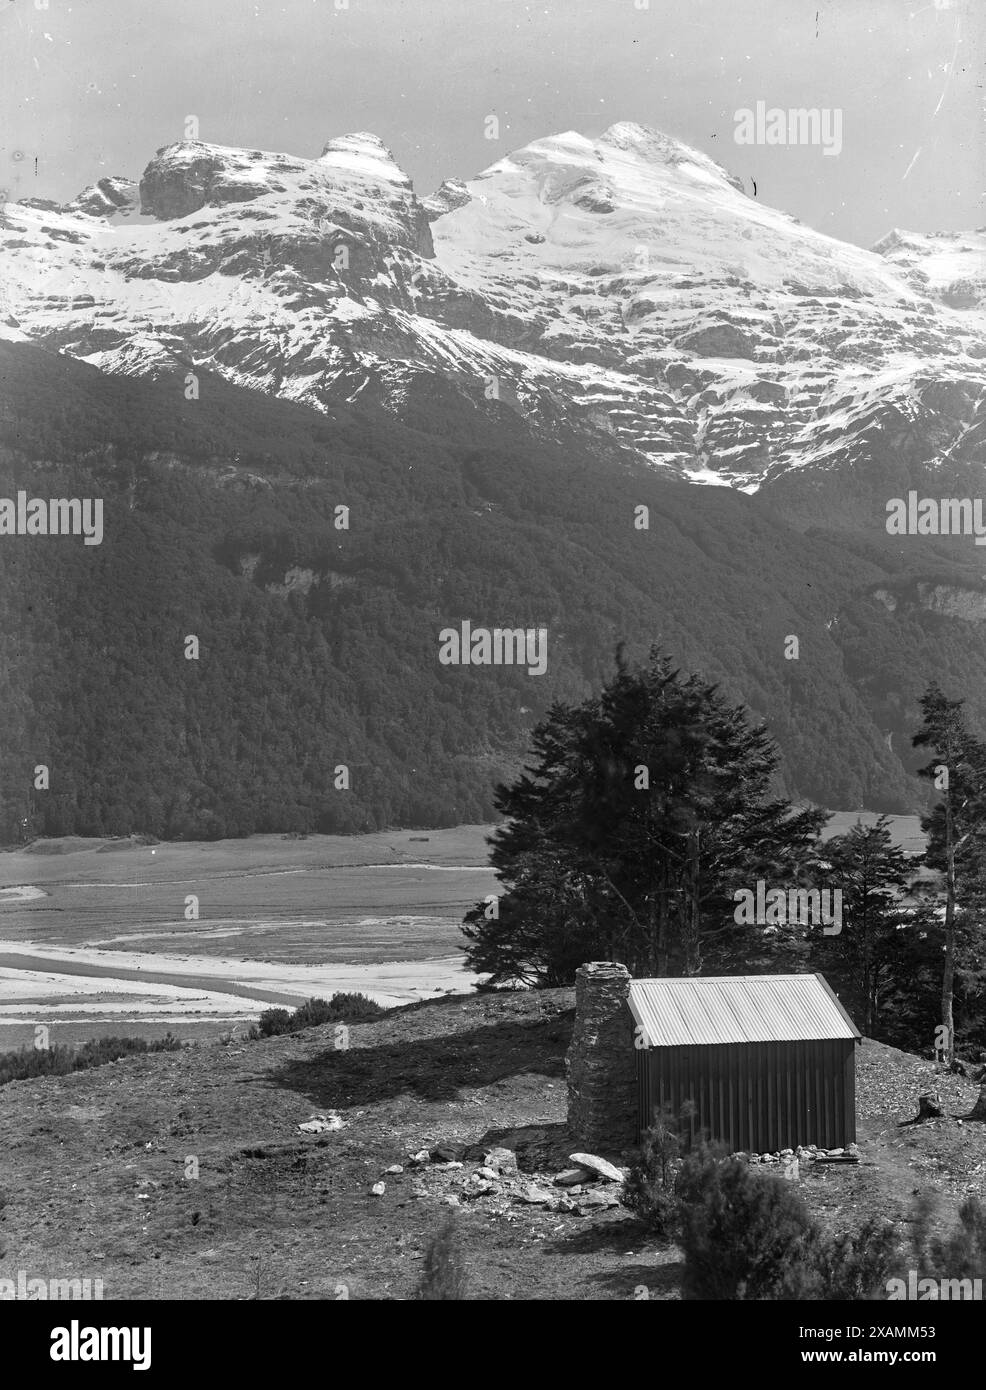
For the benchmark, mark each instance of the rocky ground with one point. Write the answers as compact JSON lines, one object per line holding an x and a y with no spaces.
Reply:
{"x":320,"y":1164}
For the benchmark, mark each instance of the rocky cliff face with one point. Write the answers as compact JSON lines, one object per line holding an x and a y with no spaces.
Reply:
{"x":625,"y":288}
{"x":950,"y":600}
{"x":107,"y":198}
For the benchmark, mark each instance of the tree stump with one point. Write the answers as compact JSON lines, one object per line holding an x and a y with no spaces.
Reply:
{"x":978,"y":1111}
{"x":929,"y":1107}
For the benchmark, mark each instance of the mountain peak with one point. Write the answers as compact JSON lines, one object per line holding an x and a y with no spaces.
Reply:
{"x":656,"y":147}
{"x":623,"y":155}
{"x":189,"y":175}
{"x":364,"y":152}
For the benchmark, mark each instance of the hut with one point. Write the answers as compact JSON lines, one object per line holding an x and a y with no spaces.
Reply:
{"x":767,"y":1062}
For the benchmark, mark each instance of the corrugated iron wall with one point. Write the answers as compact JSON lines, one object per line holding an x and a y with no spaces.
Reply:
{"x":756,"y":1096}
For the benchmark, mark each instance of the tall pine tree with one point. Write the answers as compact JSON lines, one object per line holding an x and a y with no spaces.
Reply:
{"x":956,"y":830}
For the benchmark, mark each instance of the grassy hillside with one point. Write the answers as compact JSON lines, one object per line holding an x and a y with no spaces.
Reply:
{"x":95,"y":1166}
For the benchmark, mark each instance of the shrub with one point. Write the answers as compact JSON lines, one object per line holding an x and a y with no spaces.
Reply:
{"x":273,"y":1022}
{"x":649,"y":1188}
{"x":62,"y":1059}
{"x":444,"y":1275}
{"x":341,"y":1008}
{"x":853,"y":1266}
{"x":748,"y":1235}
{"x":959,"y":1255}
{"x":744,"y":1235}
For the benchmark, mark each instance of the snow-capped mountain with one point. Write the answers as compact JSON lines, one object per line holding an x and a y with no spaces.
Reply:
{"x":625,"y":287}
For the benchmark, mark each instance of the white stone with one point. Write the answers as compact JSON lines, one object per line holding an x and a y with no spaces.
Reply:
{"x":602,"y":1166}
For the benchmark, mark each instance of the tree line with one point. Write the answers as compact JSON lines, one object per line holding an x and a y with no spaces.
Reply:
{"x":645,"y":811}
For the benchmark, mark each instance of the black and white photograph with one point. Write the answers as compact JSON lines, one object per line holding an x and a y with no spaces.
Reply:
{"x":493,"y":669}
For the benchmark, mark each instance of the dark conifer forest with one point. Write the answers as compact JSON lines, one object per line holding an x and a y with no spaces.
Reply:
{"x":318,"y":643}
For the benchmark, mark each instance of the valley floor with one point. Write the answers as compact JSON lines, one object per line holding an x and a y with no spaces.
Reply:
{"x":94,"y":936}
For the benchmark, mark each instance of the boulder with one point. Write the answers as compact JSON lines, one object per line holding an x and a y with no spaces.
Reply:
{"x":600,"y":1166}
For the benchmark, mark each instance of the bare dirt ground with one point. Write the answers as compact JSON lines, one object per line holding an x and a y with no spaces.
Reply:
{"x":94,"y":1165}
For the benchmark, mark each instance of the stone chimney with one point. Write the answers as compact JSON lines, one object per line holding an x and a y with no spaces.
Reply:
{"x":601,"y":1062}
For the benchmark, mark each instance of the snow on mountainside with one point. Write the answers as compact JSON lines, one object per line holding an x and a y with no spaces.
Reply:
{"x":624,"y":287}
{"x":947,"y":266}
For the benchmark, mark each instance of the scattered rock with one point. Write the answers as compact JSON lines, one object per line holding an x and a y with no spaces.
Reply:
{"x":501,"y":1160}
{"x":422,"y":1156}
{"x":394,"y":1168}
{"x":378,"y":1189}
{"x":487,"y":1173}
{"x":318,"y":1123}
{"x":569,"y":1177}
{"x":536,"y":1196}
{"x":596,"y":1200}
{"x":446,"y":1153}
{"x":601,"y":1166}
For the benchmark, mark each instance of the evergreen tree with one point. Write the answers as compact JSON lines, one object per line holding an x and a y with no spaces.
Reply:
{"x":956,"y":829}
{"x":881,"y":961}
{"x":643,"y":810}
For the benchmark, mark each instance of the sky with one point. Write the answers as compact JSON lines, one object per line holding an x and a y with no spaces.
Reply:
{"x":90,"y":88}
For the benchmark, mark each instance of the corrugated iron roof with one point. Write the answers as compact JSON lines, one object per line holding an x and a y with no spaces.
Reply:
{"x":737,"y":1009}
